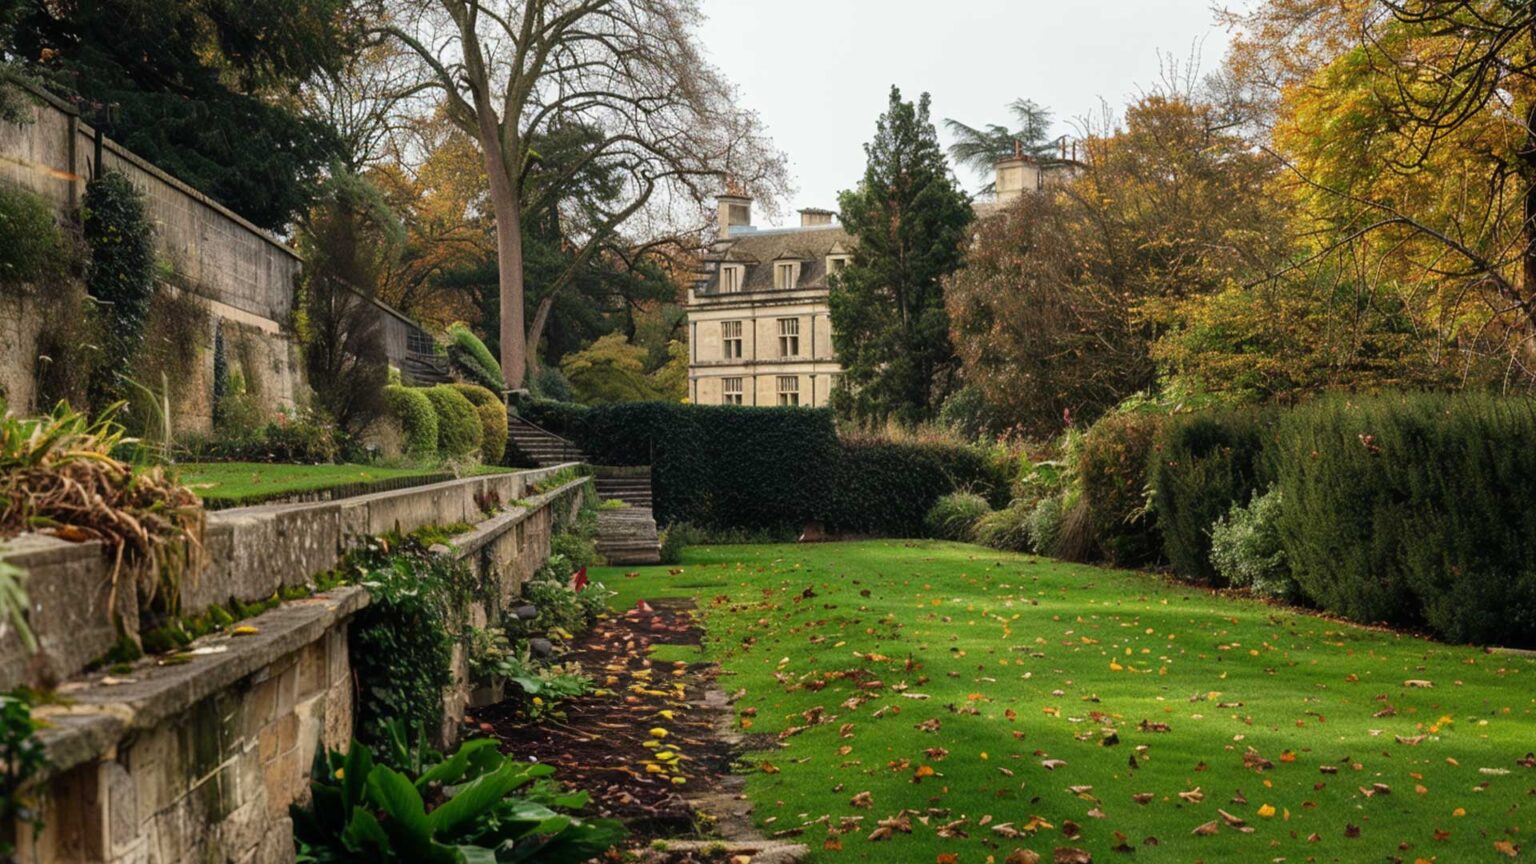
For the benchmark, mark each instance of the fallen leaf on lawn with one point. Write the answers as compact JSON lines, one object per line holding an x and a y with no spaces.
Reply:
{"x":1416,"y":682}
{"x":1053,"y":764}
{"x":1193,"y":796}
{"x":1207,"y":829}
{"x":1070,"y":855}
{"x":1266,"y":810}
{"x":863,"y":799}
{"x":1022,"y":856}
{"x":1507,"y":848}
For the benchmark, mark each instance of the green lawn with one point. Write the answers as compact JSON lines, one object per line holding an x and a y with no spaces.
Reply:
{"x":1028,"y":663}
{"x":237,"y":483}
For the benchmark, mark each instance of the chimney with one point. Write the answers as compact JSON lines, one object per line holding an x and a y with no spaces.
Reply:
{"x":734,"y":210}
{"x":811,"y":217}
{"x":1016,"y":175}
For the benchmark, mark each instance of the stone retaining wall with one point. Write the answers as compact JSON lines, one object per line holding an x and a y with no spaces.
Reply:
{"x":198,"y":762}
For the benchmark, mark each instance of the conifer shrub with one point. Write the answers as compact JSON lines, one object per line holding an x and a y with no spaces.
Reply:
{"x":1112,"y":468}
{"x":1414,"y":509}
{"x":413,"y":411}
{"x":1203,"y":465}
{"x":458,"y":423}
{"x":493,"y":421}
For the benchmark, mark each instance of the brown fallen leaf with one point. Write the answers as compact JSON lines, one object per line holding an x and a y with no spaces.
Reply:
{"x":1053,"y":764}
{"x":1070,"y":855}
{"x":1143,"y":797}
{"x":1419,"y":683}
{"x":1193,"y":796}
{"x":863,"y":799}
{"x":1207,"y":829}
{"x":1022,"y":856}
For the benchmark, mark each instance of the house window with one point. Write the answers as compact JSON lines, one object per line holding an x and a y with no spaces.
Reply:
{"x":789,"y":390}
{"x":730,"y":278}
{"x":789,"y":337}
{"x":837,"y":264}
{"x":732,"y":392}
{"x":730,"y":339}
{"x":784,"y":276}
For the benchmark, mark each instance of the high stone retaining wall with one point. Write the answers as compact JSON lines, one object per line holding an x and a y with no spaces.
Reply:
{"x":198,"y":762}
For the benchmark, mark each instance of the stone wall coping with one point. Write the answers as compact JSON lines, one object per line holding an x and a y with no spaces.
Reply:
{"x":485,"y":533}
{"x":96,"y":711}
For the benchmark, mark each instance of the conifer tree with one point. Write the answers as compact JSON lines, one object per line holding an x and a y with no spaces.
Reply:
{"x":909,"y":219}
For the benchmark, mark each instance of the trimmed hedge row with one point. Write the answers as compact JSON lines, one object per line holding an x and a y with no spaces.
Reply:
{"x":769,"y":469}
{"x":1415,"y":510}
{"x":449,"y":421}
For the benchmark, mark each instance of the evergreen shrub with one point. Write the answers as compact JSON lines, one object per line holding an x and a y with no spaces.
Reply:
{"x":493,"y":421}
{"x":1112,"y":468}
{"x":458,"y":423}
{"x":473,"y":360}
{"x":1203,"y":465}
{"x":411,"y":408}
{"x":1414,"y":509}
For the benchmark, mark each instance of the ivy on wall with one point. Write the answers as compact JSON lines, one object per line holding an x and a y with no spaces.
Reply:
{"x":120,"y":276}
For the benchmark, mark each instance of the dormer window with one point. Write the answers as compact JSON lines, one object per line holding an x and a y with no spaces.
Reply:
{"x":785,"y":275}
{"x":837,"y":264}
{"x":731,"y":278}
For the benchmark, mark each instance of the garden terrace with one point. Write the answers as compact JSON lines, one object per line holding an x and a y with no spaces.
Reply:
{"x":205,"y":748}
{"x":223,"y":485}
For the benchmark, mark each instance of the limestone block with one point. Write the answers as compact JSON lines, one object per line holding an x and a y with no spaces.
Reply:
{"x":70,"y":587}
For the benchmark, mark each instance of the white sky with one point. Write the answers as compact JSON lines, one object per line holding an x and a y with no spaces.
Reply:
{"x":818,"y":71}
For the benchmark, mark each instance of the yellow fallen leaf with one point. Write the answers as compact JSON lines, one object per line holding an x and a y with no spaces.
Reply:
{"x":1267,"y":811}
{"x":245,"y":630}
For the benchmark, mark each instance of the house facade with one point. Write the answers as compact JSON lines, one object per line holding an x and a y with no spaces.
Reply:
{"x":759,"y":329}
{"x":759,"y":332}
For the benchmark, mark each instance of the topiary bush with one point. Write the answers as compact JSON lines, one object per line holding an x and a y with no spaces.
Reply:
{"x":472,"y":359}
{"x":493,"y":421}
{"x":1202,"y":466}
{"x":954,"y":516}
{"x":413,"y":411}
{"x":1112,"y":469}
{"x":458,"y":423}
{"x":1416,"y":510}
{"x":1246,"y":549}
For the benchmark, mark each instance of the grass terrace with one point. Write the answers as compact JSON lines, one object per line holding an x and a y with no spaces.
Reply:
{"x":238,"y":484}
{"x":991,"y":702}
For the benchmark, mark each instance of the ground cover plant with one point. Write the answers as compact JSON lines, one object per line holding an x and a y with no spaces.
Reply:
{"x":988,"y":702}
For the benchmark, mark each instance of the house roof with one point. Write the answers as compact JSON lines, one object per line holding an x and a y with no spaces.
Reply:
{"x":759,"y":249}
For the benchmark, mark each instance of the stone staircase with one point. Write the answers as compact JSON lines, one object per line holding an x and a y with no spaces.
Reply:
{"x":543,"y":447}
{"x":628,"y":536}
{"x":630,"y":485}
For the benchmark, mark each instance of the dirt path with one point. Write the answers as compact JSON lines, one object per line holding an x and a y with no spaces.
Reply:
{"x":653,"y":744}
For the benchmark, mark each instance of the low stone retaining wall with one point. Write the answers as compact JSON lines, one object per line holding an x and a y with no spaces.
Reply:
{"x":199,"y":761}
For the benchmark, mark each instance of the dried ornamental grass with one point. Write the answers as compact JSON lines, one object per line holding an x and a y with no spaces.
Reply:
{"x":58,"y":476}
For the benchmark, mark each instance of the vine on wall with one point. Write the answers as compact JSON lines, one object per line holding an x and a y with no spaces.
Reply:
{"x":120,"y":276}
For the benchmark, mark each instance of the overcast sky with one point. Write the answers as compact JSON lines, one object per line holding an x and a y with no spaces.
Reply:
{"x":818,"y":71}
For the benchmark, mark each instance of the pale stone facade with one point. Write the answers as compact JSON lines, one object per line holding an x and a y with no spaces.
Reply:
{"x":759,"y":330}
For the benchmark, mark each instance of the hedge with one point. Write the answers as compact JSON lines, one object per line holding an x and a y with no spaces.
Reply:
{"x":1204,"y":464}
{"x":770,"y":469}
{"x":493,"y":421}
{"x":1112,"y":465}
{"x":458,"y":424}
{"x":889,"y":487}
{"x":1415,"y":510}
{"x":418,"y":420}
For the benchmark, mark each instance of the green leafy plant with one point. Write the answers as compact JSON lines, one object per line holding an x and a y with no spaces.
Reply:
{"x":1112,"y":467}
{"x":22,"y":757}
{"x":413,"y":411}
{"x":14,"y":602}
{"x":120,"y":275}
{"x":1007,"y":528}
{"x":493,"y":421}
{"x":458,"y":424}
{"x":954,"y":516}
{"x":402,"y":643}
{"x":455,"y":810}
{"x":33,"y":246}
{"x":472,"y":359}
{"x":1246,"y":549}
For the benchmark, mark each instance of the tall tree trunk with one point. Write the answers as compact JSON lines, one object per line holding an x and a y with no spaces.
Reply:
{"x":509,"y":258}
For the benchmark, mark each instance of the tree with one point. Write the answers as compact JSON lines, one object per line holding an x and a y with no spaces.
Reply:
{"x":980,"y":149}
{"x":206,"y":89}
{"x":346,"y":242}
{"x":1065,"y":296}
{"x":613,"y":370}
{"x":909,"y":219}
{"x":510,"y":72}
